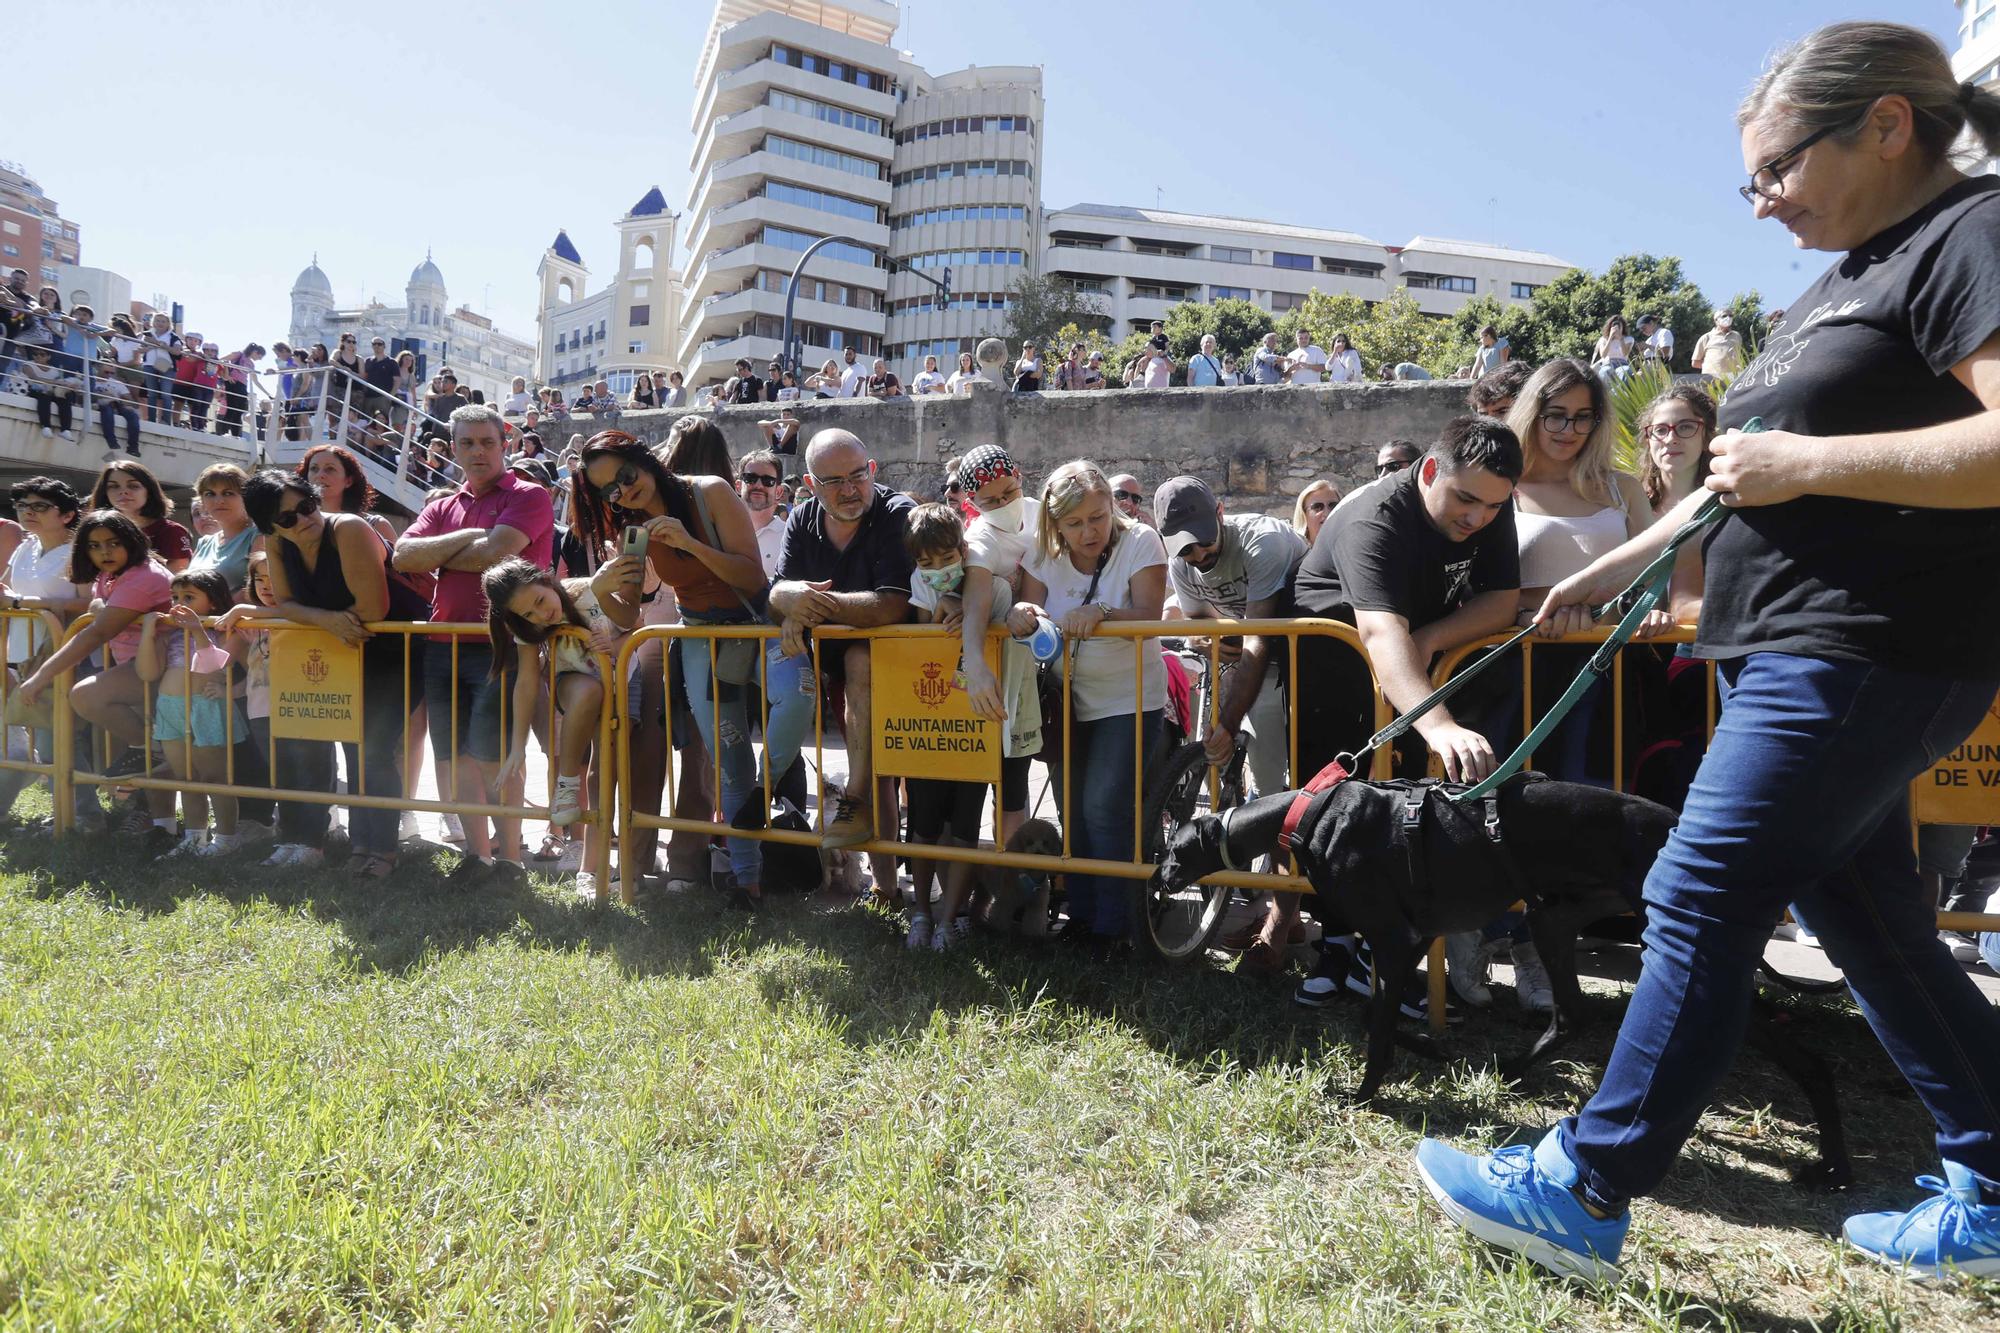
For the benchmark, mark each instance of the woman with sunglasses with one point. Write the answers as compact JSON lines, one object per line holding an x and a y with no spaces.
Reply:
{"x":1850,"y":603}
{"x":1309,"y":511}
{"x":702,"y":543}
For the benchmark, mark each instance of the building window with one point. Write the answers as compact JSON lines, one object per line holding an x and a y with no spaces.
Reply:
{"x":640,"y":315}
{"x":964,"y":125}
{"x":637,"y":347}
{"x":588,"y":337}
{"x":1229,"y":254}
{"x":1284,"y":259}
{"x":1166,"y":248}
{"x":814,"y":63}
{"x":1523,"y":291}
{"x":959,"y":258}
{"x":823,"y":157}
{"x":1159,"y":291}
{"x":11,"y":251}
{"x":1228,"y":293}
{"x":11,"y":228}
{"x":1350,"y":268}
{"x":1077,"y":242}
{"x":799,"y":240}
{"x":1286,"y":301}
{"x":1441,"y":282}
{"x":962,"y":213}
{"x":48,"y":249}
{"x":785,"y":193}
{"x":832,"y":115}
{"x":639,"y":290}
{"x":600,"y":330}
{"x":945,"y":171}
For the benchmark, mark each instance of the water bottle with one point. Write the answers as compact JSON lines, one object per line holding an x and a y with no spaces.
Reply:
{"x":1045,"y":642}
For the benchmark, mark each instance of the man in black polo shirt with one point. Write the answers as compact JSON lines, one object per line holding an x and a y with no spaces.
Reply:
{"x":843,"y":563}
{"x":1419,"y":562}
{"x":380,"y":372}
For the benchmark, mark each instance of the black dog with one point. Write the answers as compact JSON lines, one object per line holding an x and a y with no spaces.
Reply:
{"x":1403,"y":863}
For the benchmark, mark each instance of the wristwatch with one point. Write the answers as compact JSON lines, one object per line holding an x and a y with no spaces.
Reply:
{"x":1103,"y":609}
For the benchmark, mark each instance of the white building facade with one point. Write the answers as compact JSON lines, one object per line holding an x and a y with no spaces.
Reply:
{"x":483,"y":357}
{"x":809,"y":123}
{"x":623,"y":328}
{"x":1978,"y":57}
{"x":1145,"y":261}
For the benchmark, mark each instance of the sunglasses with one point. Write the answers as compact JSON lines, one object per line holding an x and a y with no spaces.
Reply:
{"x":1384,"y":469}
{"x":1129,"y":497}
{"x":627,"y":474}
{"x":758,"y":479}
{"x":1318,"y":506}
{"x":288,"y":519}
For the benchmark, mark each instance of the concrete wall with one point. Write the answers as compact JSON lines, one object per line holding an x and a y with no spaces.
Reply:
{"x":1259,"y":446}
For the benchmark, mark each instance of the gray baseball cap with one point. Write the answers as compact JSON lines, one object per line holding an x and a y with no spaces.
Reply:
{"x":1185,"y":508}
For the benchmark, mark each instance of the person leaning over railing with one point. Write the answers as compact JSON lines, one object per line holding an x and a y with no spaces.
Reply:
{"x":701,"y":543}
{"x":39,"y":579}
{"x":461,"y":535}
{"x":1091,"y":565}
{"x":1850,"y":601}
{"x":331,"y":572}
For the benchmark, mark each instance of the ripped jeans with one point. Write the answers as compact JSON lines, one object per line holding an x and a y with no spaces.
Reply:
{"x":791,"y":716}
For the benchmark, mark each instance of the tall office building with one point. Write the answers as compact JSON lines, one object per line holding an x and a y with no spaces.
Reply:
{"x":808,"y":123}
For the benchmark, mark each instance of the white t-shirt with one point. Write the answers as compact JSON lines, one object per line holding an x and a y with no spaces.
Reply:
{"x":33,"y":572}
{"x":1001,"y":553}
{"x":1101,"y":674}
{"x":770,"y":543}
{"x":1344,"y":367}
{"x":515,"y":403}
{"x":927,"y":381}
{"x":1661,"y":341}
{"x":959,"y":377}
{"x":1306,"y":363}
{"x":853,"y":380}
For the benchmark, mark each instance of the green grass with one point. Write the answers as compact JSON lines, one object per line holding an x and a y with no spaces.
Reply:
{"x":253,"y":1102}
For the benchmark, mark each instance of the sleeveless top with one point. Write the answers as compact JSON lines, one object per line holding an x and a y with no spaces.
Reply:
{"x":696,"y":587}
{"x":324,"y":587}
{"x":1553,"y":547}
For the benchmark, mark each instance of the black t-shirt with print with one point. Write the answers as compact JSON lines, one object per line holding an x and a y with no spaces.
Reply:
{"x":1867,"y":348}
{"x":1379,"y":551}
{"x":380,"y":371}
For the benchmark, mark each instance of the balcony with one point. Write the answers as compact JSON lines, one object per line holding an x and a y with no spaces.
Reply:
{"x":739,"y":133}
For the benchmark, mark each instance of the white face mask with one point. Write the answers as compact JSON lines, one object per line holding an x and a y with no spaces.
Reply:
{"x":1008,"y":517}
{"x":944,"y":581}
{"x":1723,"y":323}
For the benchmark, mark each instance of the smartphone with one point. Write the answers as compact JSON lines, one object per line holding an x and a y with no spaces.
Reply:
{"x":634,"y":543}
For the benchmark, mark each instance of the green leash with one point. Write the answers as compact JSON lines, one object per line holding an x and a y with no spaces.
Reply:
{"x":1637,"y":601}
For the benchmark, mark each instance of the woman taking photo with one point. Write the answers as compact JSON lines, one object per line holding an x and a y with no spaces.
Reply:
{"x":702,"y":545}
{"x":331,"y":571}
{"x":133,"y":490}
{"x":1850,"y":603}
{"x":1343,"y":363}
{"x":1091,"y":565}
{"x":1612,"y":356}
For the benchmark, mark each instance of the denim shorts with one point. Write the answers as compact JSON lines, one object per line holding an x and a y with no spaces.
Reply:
{"x":170,"y":721}
{"x":474,"y":708}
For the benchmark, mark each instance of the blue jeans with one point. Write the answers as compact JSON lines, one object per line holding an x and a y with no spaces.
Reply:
{"x":308,"y":766}
{"x":1803,"y":798}
{"x":108,"y":414}
{"x":160,"y":391}
{"x":1102,"y":792}
{"x":791,"y":717}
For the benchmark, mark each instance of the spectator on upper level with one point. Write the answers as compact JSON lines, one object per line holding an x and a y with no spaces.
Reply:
{"x":746,"y":388}
{"x":1720,"y":350}
{"x":928,"y":380}
{"x":1028,"y":370}
{"x":1656,"y":342}
{"x":1204,"y":368}
{"x":52,"y":388}
{"x":1343,"y":363}
{"x":1153,"y":368}
{"x":235,"y":373}
{"x":965,"y":373}
{"x":514,"y":404}
{"x":1492,"y":352}
{"x":883,"y":382}
{"x":114,"y":399}
{"x":1306,"y":362}
{"x":853,"y":375}
{"x":601,"y":403}
{"x":1267,"y":365}
{"x":160,"y":345}
{"x":676,"y":394}
{"x":781,"y":433}
{"x":1073,"y":371}
{"x":444,"y":399}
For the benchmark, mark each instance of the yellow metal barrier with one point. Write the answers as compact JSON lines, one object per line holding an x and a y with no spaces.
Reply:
{"x":67,"y":770}
{"x":1137,"y":868}
{"x":35,"y":629}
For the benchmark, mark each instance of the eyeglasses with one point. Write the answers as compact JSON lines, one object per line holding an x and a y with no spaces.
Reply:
{"x":1686,"y":430}
{"x":288,"y":519}
{"x":1768,"y":181}
{"x":1555,"y":423}
{"x":759,"y":479}
{"x":858,"y":478}
{"x":627,"y":474}
{"x":33,"y":507}
{"x":1318,"y":506}
{"x":1129,"y":497}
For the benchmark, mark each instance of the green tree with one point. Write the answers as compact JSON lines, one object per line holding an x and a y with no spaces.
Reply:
{"x":1388,"y":331}
{"x":1038,"y":307}
{"x":1570,"y":312}
{"x":1237,"y":324}
{"x":1515,"y":323}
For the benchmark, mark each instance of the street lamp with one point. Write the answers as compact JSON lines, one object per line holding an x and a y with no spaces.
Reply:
{"x":789,"y":350}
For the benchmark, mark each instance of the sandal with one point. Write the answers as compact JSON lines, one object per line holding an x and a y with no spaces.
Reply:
{"x":551,"y":848}
{"x":372,"y":867}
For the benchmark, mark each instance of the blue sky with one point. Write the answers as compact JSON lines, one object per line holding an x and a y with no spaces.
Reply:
{"x":1585,"y":129}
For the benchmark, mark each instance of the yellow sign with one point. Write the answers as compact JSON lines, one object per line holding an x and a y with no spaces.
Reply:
{"x":1964,"y":788}
{"x":315,"y":687}
{"x":924,"y":725}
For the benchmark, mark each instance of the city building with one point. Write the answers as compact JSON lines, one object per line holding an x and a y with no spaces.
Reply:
{"x":33,"y":233}
{"x":105,"y":292}
{"x":482,"y":356}
{"x":1978,"y":57}
{"x":809,"y":123}
{"x":623,"y":328}
{"x":1144,"y":261}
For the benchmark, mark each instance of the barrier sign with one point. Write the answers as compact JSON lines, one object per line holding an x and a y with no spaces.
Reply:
{"x":924,"y":724}
{"x":1964,"y":788}
{"x":315,"y":687}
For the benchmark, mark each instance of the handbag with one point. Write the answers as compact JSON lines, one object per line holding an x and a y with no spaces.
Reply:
{"x":1050,"y":678}
{"x":735,"y":659}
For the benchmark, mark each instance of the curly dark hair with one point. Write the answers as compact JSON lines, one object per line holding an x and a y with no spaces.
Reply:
{"x":357,"y":480}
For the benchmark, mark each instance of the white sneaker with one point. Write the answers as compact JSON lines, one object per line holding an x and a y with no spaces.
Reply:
{"x":586,"y":885}
{"x":48,"y":434}
{"x":454,"y":831}
{"x":67,"y":435}
{"x":190,"y":843}
{"x":920,"y":933}
{"x":1531,"y":980}
{"x":942,"y":940}
{"x":252,"y":832}
{"x":1964,"y":949}
{"x":308,"y":856}
{"x":1468,"y":966}
{"x":567,"y":807}
{"x":220,"y":845}
{"x":284,"y":854}
{"x":408,"y":829}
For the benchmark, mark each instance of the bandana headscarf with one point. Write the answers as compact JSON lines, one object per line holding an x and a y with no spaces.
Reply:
{"x":984,"y":464}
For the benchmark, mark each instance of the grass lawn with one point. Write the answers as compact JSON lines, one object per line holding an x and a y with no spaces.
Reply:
{"x":233,"y":1099}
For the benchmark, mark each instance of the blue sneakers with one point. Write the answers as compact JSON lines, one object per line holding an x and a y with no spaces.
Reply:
{"x":1949,"y":1232}
{"x":1520,"y":1199}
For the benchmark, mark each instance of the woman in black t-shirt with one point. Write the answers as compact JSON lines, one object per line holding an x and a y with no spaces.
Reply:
{"x":1850,"y":604}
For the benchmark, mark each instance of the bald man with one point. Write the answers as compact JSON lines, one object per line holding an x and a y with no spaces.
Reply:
{"x":1132,"y":502}
{"x":843,"y":563}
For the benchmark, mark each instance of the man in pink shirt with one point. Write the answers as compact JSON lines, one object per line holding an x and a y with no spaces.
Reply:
{"x":493,"y":516}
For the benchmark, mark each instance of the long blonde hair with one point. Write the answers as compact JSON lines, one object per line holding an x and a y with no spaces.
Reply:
{"x":1590,"y":476}
{"x":1067,"y":487}
{"x":1299,"y":523}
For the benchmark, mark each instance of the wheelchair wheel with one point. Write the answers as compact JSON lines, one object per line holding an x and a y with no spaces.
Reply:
{"x":1178,"y":925}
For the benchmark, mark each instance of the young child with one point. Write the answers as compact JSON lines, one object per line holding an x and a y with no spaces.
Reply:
{"x":943,"y":812}
{"x":525,"y":605}
{"x":189,"y":673}
{"x":52,"y":388}
{"x":250,"y":647}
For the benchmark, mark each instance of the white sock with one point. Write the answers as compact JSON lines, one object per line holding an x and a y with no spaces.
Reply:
{"x":223,"y":839}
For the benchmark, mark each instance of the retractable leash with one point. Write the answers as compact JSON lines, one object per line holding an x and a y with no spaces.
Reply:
{"x":1636,"y":602}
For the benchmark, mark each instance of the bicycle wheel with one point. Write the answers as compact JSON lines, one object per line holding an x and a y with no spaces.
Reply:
{"x":1177,"y":924}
